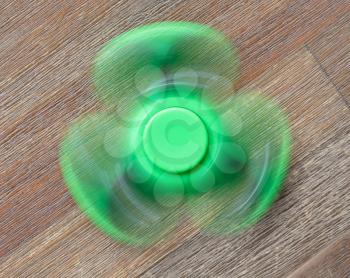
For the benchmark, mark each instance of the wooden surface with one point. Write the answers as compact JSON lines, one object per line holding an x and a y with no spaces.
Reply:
{"x":333,"y":261}
{"x":295,"y":51}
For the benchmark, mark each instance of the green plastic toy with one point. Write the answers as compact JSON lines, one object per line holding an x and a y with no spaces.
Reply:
{"x":174,"y":139}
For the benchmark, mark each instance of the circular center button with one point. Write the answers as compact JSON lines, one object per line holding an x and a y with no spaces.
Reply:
{"x":175,"y":139}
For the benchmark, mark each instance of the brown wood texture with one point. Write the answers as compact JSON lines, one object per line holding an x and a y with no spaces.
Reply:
{"x":294,"y":51}
{"x":333,"y":261}
{"x":331,"y":50}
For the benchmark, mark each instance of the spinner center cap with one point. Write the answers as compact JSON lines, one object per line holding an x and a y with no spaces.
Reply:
{"x":175,"y":139}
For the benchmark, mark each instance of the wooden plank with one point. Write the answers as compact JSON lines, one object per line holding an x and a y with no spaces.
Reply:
{"x":263,"y":33}
{"x":81,"y":237}
{"x":47,"y":48}
{"x":38,"y":104}
{"x":332,"y":50}
{"x":314,"y":205}
{"x":72,"y":246}
{"x":332,"y":262}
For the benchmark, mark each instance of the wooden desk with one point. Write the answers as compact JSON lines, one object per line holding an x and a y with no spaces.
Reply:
{"x":298,"y":52}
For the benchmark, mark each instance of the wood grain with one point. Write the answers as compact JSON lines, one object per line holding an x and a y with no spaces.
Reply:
{"x":332,"y":50}
{"x":314,"y":206}
{"x":331,"y":262}
{"x":56,"y":90}
{"x":287,"y":49}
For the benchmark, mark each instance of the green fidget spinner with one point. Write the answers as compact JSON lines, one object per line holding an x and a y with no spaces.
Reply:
{"x":173,"y":139}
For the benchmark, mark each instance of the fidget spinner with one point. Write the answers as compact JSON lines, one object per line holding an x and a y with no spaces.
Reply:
{"x":173,"y":139}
